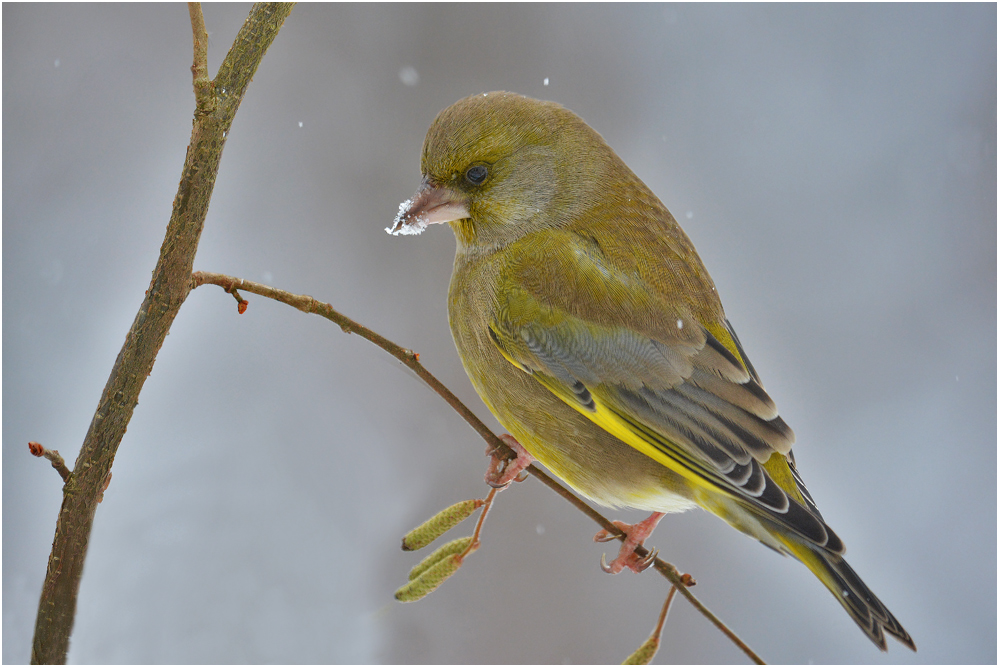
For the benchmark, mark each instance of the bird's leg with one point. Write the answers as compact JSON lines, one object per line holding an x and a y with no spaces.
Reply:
{"x":502,"y":472}
{"x":634,"y":535}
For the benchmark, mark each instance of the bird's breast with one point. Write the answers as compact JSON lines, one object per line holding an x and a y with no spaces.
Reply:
{"x":591,"y":460}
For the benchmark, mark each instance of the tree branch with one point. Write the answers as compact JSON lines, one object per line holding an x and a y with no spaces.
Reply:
{"x":168,"y":288}
{"x":39,"y":450}
{"x":199,"y":68}
{"x":411,"y":359}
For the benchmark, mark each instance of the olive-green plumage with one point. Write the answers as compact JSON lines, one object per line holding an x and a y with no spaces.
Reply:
{"x":591,"y":329}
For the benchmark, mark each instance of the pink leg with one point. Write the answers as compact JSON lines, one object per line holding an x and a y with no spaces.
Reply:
{"x":502,"y":472}
{"x":634,"y":535}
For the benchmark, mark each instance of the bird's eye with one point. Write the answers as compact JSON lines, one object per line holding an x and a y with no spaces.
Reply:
{"x":476,"y":175}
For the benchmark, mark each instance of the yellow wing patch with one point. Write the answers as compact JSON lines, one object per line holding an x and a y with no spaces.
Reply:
{"x":652,"y":445}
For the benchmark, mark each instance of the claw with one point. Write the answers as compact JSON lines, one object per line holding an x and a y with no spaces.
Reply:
{"x":606,"y":536}
{"x":634,"y":535}
{"x":502,"y":472}
{"x":647,"y":561}
{"x":604,"y":564}
{"x":632,"y":562}
{"x":492,"y":481}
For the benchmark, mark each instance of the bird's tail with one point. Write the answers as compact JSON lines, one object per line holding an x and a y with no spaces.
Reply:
{"x":861,"y":604}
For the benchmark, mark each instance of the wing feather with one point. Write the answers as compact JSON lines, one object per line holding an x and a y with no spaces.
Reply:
{"x":697,"y":410}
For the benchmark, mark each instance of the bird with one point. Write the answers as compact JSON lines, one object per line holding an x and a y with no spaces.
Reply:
{"x":591,"y":329}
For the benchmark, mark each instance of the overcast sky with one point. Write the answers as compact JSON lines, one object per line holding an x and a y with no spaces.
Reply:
{"x":834,"y":165}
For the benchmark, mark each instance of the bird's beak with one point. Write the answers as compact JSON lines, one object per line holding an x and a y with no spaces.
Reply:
{"x":430,"y":204}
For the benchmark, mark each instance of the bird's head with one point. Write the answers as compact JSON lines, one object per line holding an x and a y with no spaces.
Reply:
{"x":497,"y":166}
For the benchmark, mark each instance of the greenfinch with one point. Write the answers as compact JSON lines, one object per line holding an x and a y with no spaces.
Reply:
{"x":591,"y":329}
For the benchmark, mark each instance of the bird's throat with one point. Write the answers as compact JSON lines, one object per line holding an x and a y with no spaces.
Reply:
{"x":465,"y":232}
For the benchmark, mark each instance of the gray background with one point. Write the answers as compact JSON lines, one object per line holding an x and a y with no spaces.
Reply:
{"x":834,"y":165}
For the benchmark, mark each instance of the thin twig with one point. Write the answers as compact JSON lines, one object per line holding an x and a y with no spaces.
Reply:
{"x":658,"y":631}
{"x":411,"y":359}
{"x":487,"y":504}
{"x":39,"y":450}
{"x":307,"y":304}
{"x":199,"y":68}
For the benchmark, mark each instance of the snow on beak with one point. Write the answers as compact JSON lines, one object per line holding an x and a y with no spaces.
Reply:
{"x":429,"y":205}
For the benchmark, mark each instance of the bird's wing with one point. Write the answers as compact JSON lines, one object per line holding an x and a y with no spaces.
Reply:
{"x":676,"y":393}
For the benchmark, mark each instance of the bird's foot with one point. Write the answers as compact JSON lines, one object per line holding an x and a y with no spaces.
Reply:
{"x":634,"y":535}
{"x":502,"y":472}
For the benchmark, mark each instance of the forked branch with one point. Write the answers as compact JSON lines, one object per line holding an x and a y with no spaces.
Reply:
{"x":217,"y":103}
